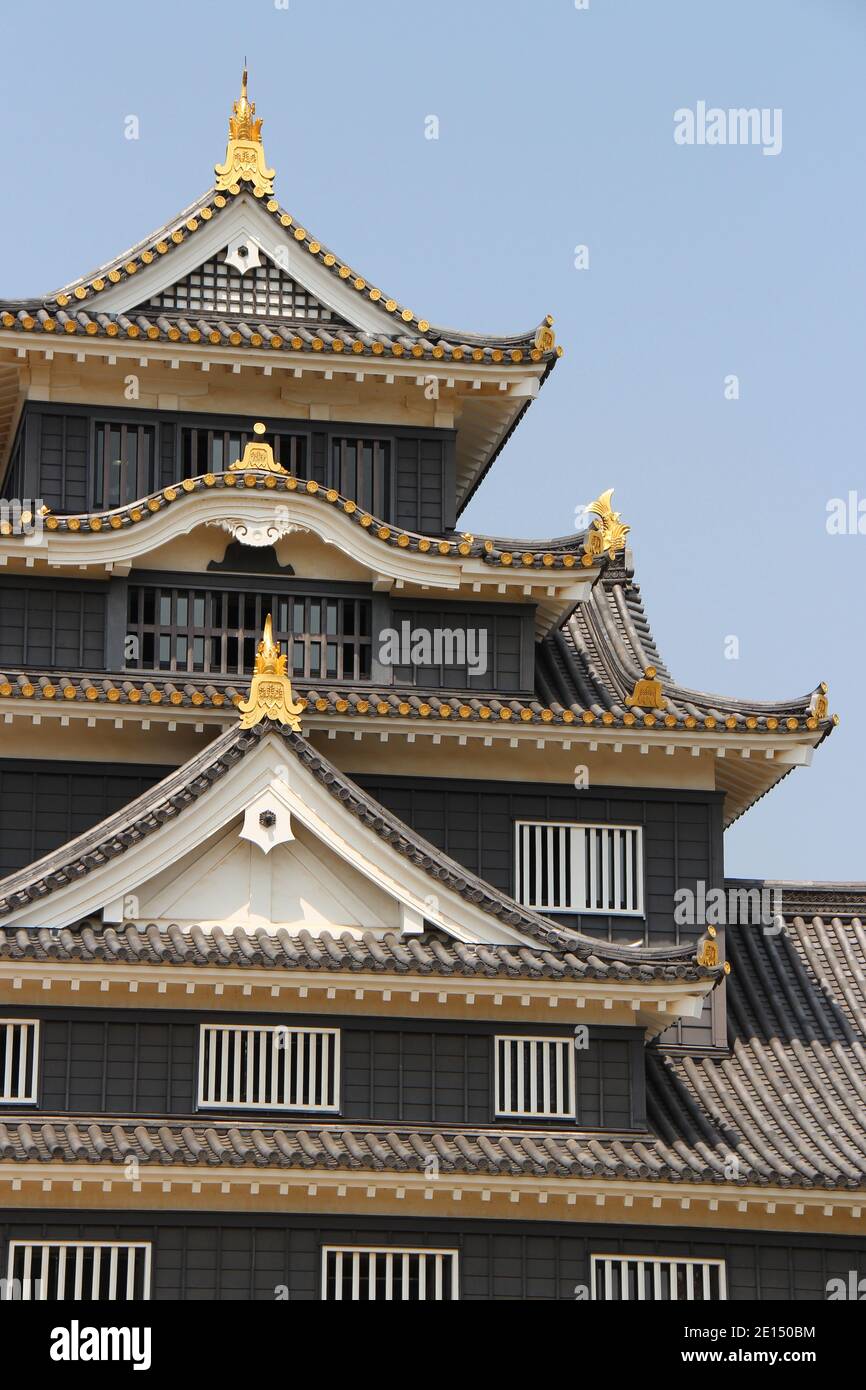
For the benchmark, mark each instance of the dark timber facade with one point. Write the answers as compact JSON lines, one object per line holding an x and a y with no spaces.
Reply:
{"x":364,"y":927}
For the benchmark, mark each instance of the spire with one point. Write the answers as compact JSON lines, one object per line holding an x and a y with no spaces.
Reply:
{"x":270,"y":694}
{"x":245,"y":154}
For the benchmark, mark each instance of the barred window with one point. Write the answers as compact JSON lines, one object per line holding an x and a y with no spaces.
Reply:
{"x":272,"y":1067}
{"x":535,"y":1077}
{"x":217,"y":630}
{"x":383,"y":1274}
{"x":19,"y":1060}
{"x":78,"y":1270}
{"x":565,"y":867}
{"x":361,"y":470}
{"x":124,"y":465}
{"x":657,"y":1279}
{"x":265,"y":291}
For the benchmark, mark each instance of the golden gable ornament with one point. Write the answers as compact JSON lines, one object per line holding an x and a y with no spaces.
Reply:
{"x":270,"y":694}
{"x":245,"y":154}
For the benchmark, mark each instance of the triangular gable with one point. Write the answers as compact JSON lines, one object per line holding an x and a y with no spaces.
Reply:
{"x":242,"y":282}
{"x":343,"y":862}
{"x":243,"y":223}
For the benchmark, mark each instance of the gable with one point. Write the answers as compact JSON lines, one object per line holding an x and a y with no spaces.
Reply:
{"x":338,"y":860}
{"x":299,"y":885}
{"x":243,"y":224}
{"x":253,"y":287}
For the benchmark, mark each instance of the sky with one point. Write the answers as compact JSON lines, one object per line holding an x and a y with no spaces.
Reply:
{"x":702,"y":262}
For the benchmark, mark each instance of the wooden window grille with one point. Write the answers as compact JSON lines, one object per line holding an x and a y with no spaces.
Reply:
{"x":124,"y":463}
{"x":265,"y":291}
{"x":564,"y":867}
{"x":270,"y":1067}
{"x":216,"y":631}
{"x":19,"y":1060}
{"x":384,"y":1274}
{"x":204,"y":450}
{"x":657,"y":1279}
{"x":361,"y":470}
{"x":534,"y":1077}
{"x":78,"y":1270}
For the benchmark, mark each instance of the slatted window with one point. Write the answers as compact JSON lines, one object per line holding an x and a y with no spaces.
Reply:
{"x":263,"y":291}
{"x":361,"y":470}
{"x":657,"y":1279}
{"x":125,"y":463}
{"x":217,"y":630}
{"x":535,"y":1077}
{"x":19,"y":1060}
{"x":204,"y":450}
{"x":269,"y":1068}
{"x":78,"y":1270}
{"x":380,"y":1273}
{"x":563,"y":867}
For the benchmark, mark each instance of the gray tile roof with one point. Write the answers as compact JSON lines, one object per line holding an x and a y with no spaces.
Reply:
{"x":75,"y":307}
{"x":786,"y":1100}
{"x":430,"y":954}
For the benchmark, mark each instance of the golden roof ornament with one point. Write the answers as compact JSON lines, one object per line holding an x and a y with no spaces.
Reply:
{"x":607,"y":533}
{"x":257,"y":454}
{"x":647,"y":693}
{"x":820,"y":703}
{"x":708,"y":950}
{"x":545,"y":338}
{"x":270,"y":694}
{"x":245,"y":154}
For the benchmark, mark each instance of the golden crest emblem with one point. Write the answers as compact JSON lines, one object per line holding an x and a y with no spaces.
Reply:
{"x":270,"y":694}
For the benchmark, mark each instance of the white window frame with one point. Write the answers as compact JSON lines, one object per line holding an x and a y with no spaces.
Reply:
{"x":8,"y":1096}
{"x":502,"y":1072}
{"x":207,"y":1074}
{"x":578,"y":874}
{"x":31,"y":1280}
{"x":396,"y":1277}
{"x":650,"y":1266}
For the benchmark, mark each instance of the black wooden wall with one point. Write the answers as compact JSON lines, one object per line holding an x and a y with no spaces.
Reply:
{"x":246,"y":1257}
{"x":473,"y":822}
{"x":53,"y":458}
{"x":44,"y":804}
{"x":136,"y":1062}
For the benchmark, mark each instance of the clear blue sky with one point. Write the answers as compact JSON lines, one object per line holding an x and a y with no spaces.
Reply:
{"x":556,"y":129}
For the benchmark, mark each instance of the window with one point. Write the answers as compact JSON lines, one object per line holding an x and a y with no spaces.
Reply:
{"x":19,"y":1060}
{"x":383,"y":1274}
{"x":204,"y":450}
{"x":124,"y":463}
{"x":657,"y":1279}
{"x":269,"y":1068}
{"x":562,"y":867}
{"x":361,"y":470}
{"x":262,"y":291}
{"x":217,"y":630}
{"x":535,"y":1077}
{"x":75,"y":1270}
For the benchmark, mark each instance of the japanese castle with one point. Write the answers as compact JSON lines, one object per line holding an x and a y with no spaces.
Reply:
{"x":346,"y":857}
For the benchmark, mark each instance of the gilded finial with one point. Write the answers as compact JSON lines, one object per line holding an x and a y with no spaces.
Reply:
{"x":647,"y":693}
{"x":257,"y":454}
{"x":607,"y":533}
{"x":545,"y":338}
{"x":820,"y":703}
{"x":708,"y":950}
{"x":245,"y":155}
{"x":270,"y":694}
